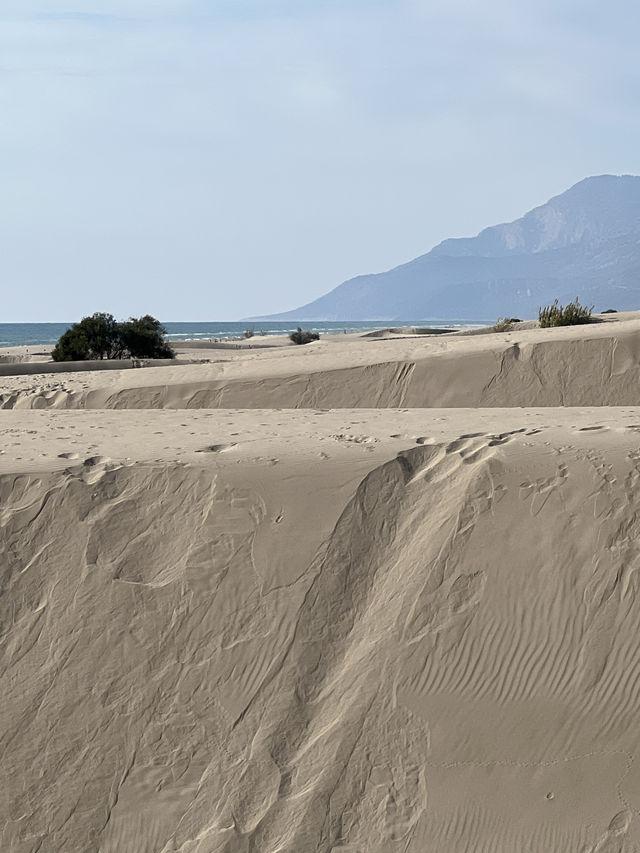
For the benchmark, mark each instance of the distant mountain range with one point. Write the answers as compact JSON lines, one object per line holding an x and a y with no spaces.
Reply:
{"x":584,"y":243}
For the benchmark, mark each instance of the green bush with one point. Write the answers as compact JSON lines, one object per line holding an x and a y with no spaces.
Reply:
{"x":572,"y":314}
{"x":143,"y":337}
{"x":94,"y":337}
{"x":303,"y":337}
{"x":101,"y":336}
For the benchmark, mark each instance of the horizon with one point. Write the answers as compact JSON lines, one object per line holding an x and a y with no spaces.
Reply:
{"x":246,"y":159}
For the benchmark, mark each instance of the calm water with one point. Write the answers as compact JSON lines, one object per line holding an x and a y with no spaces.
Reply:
{"x":32,"y":334}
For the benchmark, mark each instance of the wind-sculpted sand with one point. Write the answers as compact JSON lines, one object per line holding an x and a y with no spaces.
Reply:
{"x":597,"y":365}
{"x":263,"y":630}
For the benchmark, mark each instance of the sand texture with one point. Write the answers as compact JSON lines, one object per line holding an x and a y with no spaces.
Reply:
{"x":596,"y":365}
{"x":340,"y":618}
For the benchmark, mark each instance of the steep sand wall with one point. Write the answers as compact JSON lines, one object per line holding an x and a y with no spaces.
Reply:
{"x":597,"y":371}
{"x":446,"y":660}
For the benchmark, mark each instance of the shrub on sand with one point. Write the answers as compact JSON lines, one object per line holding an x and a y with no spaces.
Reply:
{"x":573,"y":314}
{"x":303,"y":337}
{"x":144,"y":337}
{"x":101,"y":336}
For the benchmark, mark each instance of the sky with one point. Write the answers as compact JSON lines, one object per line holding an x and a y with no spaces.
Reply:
{"x":216,"y":159}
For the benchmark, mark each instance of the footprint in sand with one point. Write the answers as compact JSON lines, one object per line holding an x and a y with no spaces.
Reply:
{"x":471,"y":456}
{"x":503,"y":437}
{"x":92,"y":461}
{"x":354,"y":439}
{"x":95,"y":467}
{"x":613,"y":839}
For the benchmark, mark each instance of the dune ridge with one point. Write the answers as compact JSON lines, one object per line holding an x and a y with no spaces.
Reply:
{"x":581,"y":366}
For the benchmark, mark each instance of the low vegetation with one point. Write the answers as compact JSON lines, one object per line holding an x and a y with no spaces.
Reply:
{"x":102,"y":336}
{"x":573,"y":314}
{"x":303,"y":337}
{"x":505,"y":324}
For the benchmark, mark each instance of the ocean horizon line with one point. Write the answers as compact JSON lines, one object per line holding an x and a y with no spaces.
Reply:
{"x":41,"y":334}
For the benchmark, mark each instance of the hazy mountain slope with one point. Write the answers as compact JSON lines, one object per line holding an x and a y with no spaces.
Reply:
{"x":585,"y":242}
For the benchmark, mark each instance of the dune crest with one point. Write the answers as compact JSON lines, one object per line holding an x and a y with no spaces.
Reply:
{"x":595,"y":365}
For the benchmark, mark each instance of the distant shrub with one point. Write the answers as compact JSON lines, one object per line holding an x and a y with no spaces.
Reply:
{"x":94,"y":337}
{"x":248,"y":333}
{"x":303,"y":337}
{"x":572,"y":314}
{"x":143,"y":337}
{"x":611,"y":311}
{"x":503,"y":324}
{"x":101,"y":336}
{"x":72,"y":345}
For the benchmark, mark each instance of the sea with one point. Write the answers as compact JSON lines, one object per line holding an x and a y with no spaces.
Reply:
{"x":34,"y":334}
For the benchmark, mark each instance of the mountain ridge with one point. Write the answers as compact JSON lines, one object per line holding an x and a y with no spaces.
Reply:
{"x":584,"y":242}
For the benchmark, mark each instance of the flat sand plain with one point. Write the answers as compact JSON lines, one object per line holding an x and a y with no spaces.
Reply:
{"x":365,"y":595}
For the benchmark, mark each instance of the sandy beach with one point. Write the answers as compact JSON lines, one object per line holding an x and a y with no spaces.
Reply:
{"x":376,"y":594}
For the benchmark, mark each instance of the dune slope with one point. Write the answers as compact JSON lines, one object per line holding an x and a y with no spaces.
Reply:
{"x":438,"y":654}
{"x":595,"y":365}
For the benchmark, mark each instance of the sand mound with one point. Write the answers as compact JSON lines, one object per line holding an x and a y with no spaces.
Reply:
{"x":432,"y":648}
{"x":539,"y":367}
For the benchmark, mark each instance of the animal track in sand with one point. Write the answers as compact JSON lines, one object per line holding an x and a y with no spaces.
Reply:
{"x":217,"y":448}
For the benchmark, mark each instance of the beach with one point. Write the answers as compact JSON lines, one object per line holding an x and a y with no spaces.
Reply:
{"x":374,"y":593}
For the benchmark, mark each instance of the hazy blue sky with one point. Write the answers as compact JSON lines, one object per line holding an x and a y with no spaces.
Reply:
{"x":211,"y":159}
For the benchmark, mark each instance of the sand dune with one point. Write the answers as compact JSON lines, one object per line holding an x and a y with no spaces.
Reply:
{"x":254,"y":629}
{"x":595,"y":365}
